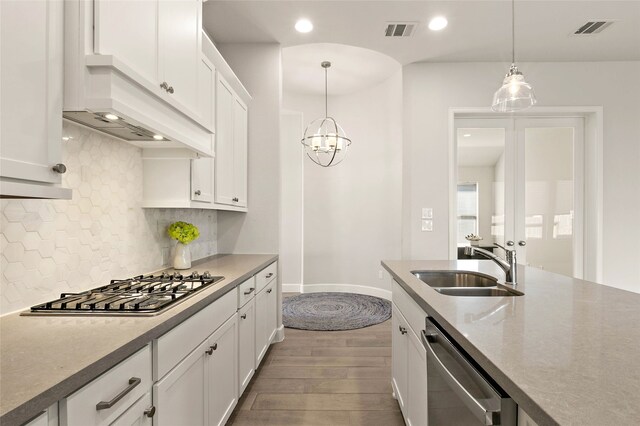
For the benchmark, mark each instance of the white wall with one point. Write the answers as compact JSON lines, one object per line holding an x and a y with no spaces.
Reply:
{"x":431,"y":89}
{"x":352,"y":211}
{"x":258,"y":66}
{"x":50,"y":247}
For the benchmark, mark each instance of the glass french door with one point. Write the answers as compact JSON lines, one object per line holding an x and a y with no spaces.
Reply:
{"x":529,"y":177}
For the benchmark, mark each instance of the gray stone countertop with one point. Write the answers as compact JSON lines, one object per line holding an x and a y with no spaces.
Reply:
{"x":45,"y":358}
{"x":568,"y":351}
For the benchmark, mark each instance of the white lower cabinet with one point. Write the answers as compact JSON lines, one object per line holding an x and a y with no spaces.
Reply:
{"x":399,"y":349}
{"x":223,"y":372}
{"x":140,"y":414}
{"x":408,"y":358}
{"x":246,"y":344}
{"x":266,"y":319}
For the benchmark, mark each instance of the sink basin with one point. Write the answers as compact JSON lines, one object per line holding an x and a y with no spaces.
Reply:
{"x":478,"y":291}
{"x":440,"y":279}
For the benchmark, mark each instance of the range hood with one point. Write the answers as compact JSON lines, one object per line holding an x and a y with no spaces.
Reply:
{"x":114,"y":125}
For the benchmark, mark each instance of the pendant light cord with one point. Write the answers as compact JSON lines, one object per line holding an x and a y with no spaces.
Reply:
{"x":326,"y":94}
{"x":513,"y":32}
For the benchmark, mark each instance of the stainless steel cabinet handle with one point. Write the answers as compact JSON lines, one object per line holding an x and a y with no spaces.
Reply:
{"x":197,"y":192}
{"x":103,"y":405}
{"x":269,"y":275}
{"x":509,"y":243}
{"x":59,"y":168}
{"x":235,"y":199}
{"x":270,"y":290}
{"x":243,"y":316}
{"x":149,"y":412}
{"x":164,"y":85}
{"x":170,"y":89}
{"x":402,"y":330}
{"x":249,"y":291}
{"x":522,"y":243}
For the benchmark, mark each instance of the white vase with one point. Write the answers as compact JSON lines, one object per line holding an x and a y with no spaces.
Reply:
{"x":182,"y":257}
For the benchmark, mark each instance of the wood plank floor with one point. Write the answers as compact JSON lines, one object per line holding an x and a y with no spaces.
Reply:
{"x":328,"y":378}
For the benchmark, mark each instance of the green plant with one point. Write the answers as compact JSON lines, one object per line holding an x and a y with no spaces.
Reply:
{"x":183,"y":232}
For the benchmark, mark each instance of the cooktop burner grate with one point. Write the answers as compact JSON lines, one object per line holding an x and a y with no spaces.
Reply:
{"x":140,"y":295}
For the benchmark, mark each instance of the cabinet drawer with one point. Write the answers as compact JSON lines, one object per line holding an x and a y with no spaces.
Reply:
{"x":410,"y":309}
{"x":246,"y":291}
{"x":107,"y":397}
{"x":176,"y":344}
{"x":265,"y":276}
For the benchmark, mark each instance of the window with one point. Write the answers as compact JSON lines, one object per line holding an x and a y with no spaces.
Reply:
{"x":467,"y":211}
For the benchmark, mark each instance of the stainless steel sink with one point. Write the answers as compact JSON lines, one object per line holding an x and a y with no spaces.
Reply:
{"x":465,"y":283}
{"x":440,"y":279}
{"x":478,"y":291}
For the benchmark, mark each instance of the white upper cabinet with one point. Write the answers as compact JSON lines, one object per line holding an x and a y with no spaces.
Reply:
{"x":140,"y":61}
{"x":179,"y":47}
{"x":31,"y":81}
{"x":231,"y":143}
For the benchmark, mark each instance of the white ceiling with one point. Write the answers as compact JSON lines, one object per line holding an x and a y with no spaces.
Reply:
{"x":481,"y":148}
{"x":302,"y":73}
{"x":478,"y":30}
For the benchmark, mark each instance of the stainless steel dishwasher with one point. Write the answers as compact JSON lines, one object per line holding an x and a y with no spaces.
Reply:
{"x":458,"y":393}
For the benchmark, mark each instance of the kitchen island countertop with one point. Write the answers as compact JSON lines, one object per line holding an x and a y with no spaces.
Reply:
{"x":567,"y":351}
{"x":45,"y":358}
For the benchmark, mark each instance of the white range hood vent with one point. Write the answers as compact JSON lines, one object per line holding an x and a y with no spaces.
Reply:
{"x":117,"y":127}
{"x":593,"y":26}
{"x":400,"y":29}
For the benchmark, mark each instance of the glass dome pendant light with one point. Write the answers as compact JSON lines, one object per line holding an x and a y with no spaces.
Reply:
{"x":325,"y":142}
{"x":515,"y":94}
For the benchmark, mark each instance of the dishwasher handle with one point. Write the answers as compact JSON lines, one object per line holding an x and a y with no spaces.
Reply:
{"x":486,"y":410}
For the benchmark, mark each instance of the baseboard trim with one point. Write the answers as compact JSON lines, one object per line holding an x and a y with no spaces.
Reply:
{"x":346,"y":288}
{"x":279,"y":337}
{"x":292,"y":288}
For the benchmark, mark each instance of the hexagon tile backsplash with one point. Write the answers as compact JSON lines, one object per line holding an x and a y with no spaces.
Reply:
{"x":50,"y":247}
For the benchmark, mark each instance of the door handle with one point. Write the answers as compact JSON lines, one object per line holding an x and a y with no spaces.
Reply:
{"x":269,"y":275}
{"x":243,"y":316}
{"x":235,"y":199}
{"x":522,"y":243}
{"x":402,"y":329}
{"x":149,"y":412}
{"x":198,"y":192}
{"x":249,"y":291}
{"x":270,"y":290}
{"x":103,"y":405}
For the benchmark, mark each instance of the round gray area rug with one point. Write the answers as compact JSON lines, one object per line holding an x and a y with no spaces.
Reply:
{"x":334,"y":311}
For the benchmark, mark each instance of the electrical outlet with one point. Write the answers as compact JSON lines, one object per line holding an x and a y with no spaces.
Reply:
{"x":427,"y":213}
{"x":427,"y":225}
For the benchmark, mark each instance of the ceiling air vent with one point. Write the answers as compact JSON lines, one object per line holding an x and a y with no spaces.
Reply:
{"x":593,"y":27}
{"x":400,"y":29}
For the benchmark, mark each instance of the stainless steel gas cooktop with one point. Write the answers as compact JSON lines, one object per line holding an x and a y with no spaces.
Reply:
{"x":142,"y":295}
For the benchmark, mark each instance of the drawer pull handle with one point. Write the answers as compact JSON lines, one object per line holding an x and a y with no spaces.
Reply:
{"x":249,"y":291}
{"x":209,"y":351}
{"x":103,"y":405}
{"x":269,"y":275}
{"x":198,"y":192}
{"x":270,"y":290}
{"x":214,"y":347}
{"x":170,"y":89}
{"x":243,"y":316}
{"x":235,"y":199}
{"x":164,"y":86}
{"x":149,"y":412}
{"x":402,"y":330}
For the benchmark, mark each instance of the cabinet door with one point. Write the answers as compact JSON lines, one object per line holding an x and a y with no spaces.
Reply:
{"x":246,"y":344}
{"x":31,"y":48}
{"x":240,"y":122}
{"x":206,"y":93}
{"x":416,"y":381}
{"x":399,"y":347}
{"x":139,"y":414}
{"x":128,"y":30}
{"x":223,"y":372}
{"x":262,"y":331}
{"x":272,"y":311}
{"x":179,"y":51}
{"x":202,"y":180}
{"x":224,"y":192}
{"x":181,"y":397}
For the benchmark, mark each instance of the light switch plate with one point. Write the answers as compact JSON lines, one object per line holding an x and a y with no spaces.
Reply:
{"x":427,"y":225}
{"x":427,"y":213}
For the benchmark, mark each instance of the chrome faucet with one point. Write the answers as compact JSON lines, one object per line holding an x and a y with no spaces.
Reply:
{"x":510,"y":267}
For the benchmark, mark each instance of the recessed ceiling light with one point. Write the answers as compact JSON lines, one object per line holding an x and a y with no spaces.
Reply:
{"x":438,"y":23}
{"x":304,"y":26}
{"x":466,"y":135}
{"x":158,"y":137}
{"x":111,"y":117}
